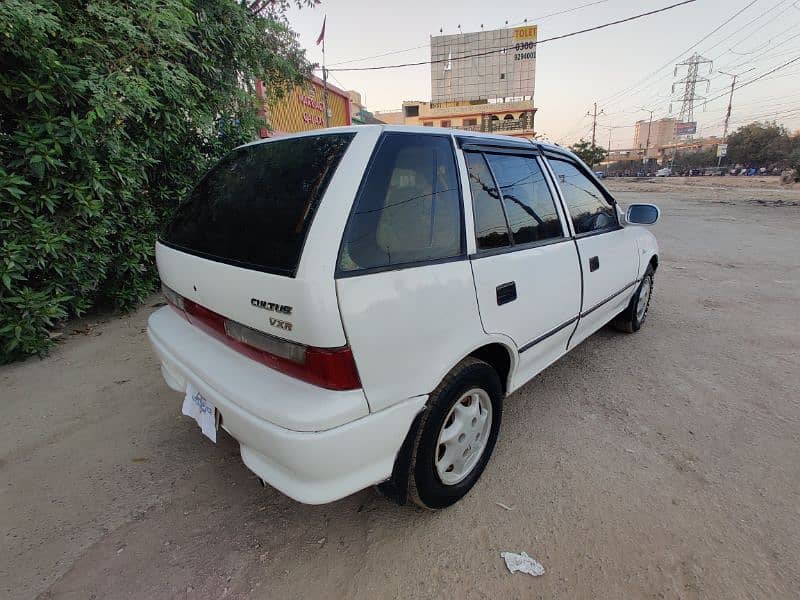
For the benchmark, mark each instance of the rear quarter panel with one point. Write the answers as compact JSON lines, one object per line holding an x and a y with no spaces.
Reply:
{"x":409,"y":327}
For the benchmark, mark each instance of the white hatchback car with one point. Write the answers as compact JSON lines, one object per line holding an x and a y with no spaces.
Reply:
{"x":352,"y":305}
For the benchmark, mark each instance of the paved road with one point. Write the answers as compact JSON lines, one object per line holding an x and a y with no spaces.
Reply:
{"x":659,"y":465}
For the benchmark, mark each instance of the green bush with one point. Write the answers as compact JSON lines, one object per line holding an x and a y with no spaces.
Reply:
{"x":109,"y":112}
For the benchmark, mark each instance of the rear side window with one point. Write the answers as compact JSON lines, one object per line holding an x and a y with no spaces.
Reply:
{"x":254,"y":208}
{"x":491,"y":229}
{"x":408,"y":209}
{"x":588,"y":206}
{"x":530,"y":209}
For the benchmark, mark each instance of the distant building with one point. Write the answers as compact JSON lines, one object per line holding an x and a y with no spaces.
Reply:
{"x":661,"y":133}
{"x":514,"y":118}
{"x":359,"y":113}
{"x":480,"y":81}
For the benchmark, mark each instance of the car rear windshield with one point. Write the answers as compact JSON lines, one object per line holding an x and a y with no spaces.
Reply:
{"x":254,"y":208}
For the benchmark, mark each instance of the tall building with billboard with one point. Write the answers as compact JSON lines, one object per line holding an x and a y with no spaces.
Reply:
{"x":480,"y":81}
{"x":655,"y":136}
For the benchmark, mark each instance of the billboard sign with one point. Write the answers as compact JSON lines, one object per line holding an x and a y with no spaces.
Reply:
{"x":303,"y":109}
{"x":484,"y":65}
{"x":722,"y":150}
{"x":686,"y":128}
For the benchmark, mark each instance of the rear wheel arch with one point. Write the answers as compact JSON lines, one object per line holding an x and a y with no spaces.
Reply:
{"x":499,"y":357}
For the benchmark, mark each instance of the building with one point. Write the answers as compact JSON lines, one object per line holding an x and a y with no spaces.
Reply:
{"x":480,"y":81}
{"x":513,"y":118}
{"x":359,"y":114}
{"x":303,"y":109}
{"x":655,"y":137}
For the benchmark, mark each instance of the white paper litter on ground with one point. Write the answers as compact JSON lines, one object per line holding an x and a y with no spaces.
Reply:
{"x":522,"y":563}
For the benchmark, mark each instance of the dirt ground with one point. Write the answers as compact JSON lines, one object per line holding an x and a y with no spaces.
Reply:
{"x":664,"y":464}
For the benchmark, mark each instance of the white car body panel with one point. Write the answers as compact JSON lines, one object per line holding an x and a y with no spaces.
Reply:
{"x":266,"y":394}
{"x":606,"y":291}
{"x":548,"y":283}
{"x":317,"y":463}
{"x":407,"y":328}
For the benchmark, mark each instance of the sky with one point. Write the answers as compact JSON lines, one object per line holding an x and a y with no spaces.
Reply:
{"x":627,"y":69}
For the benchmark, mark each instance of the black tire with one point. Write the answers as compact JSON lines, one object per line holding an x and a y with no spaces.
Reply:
{"x":425,"y":487}
{"x":629,"y":320}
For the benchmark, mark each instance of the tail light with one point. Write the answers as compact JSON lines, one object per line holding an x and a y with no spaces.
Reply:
{"x":331,"y":368}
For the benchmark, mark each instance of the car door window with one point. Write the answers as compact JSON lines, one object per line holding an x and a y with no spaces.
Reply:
{"x":491,"y":229}
{"x":588,"y":206}
{"x":529,"y":206}
{"x":409,"y":207}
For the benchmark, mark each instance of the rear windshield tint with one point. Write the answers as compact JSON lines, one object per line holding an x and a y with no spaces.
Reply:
{"x":254,"y":208}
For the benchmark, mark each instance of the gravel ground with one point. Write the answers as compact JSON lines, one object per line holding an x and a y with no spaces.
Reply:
{"x":657,"y":465}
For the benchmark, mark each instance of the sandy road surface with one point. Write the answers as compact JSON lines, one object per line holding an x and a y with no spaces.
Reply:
{"x":664,"y":464}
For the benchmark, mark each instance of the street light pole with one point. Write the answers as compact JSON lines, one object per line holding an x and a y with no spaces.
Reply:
{"x":645,"y":159}
{"x":730,"y":105}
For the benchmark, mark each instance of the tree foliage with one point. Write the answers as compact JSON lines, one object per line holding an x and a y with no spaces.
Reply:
{"x":697,"y":159}
{"x":110,"y":110}
{"x":588,"y":153}
{"x":761,"y":145}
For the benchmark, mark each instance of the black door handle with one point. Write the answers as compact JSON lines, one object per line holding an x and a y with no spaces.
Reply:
{"x":506,"y":292}
{"x":594,"y":263}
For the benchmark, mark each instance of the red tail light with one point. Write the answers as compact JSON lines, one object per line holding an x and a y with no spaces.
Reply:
{"x":331,"y":368}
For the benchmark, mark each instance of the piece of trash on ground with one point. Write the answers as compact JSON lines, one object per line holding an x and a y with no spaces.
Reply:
{"x":522,"y":563}
{"x":501,"y":505}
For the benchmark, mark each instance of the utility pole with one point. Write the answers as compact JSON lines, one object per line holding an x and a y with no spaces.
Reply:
{"x":594,"y":114}
{"x":733,"y":77}
{"x":645,"y":158}
{"x":608,"y":156}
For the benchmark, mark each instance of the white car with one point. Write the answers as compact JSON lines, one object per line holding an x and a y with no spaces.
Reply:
{"x":665,"y":172}
{"x":353,"y":304}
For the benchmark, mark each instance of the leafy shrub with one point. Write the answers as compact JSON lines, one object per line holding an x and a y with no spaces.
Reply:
{"x":109,"y":112}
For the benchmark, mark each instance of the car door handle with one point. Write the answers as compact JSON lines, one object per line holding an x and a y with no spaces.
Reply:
{"x":506,"y":292}
{"x":594,"y":263}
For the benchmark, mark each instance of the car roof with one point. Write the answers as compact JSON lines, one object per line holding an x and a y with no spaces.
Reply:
{"x":505,"y":139}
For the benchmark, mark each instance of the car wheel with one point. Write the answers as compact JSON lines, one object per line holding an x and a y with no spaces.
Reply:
{"x":633,"y":317}
{"x":456,"y":435}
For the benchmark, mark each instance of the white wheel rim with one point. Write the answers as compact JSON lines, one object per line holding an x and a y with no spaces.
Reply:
{"x":463,"y":436}
{"x":644,"y":298}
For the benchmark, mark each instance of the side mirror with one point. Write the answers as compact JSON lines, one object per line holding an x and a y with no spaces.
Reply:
{"x":642,"y":214}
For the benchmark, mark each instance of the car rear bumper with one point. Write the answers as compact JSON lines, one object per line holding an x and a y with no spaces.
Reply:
{"x":320,"y":464}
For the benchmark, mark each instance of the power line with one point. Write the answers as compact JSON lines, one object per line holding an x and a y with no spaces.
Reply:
{"x":770,"y":72}
{"x":427,"y":44}
{"x":774,"y":7}
{"x":550,"y":39}
{"x":671,"y":61}
{"x":627,"y":91}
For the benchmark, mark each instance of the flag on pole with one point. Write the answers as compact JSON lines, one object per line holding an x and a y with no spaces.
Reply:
{"x":321,"y":37}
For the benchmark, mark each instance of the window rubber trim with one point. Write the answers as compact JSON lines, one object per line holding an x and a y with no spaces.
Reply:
{"x":400,"y":266}
{"x":292,"y":273}
{"x":518,"y":247}
{"x":339,"y":273}
{"x":513,"y":246}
